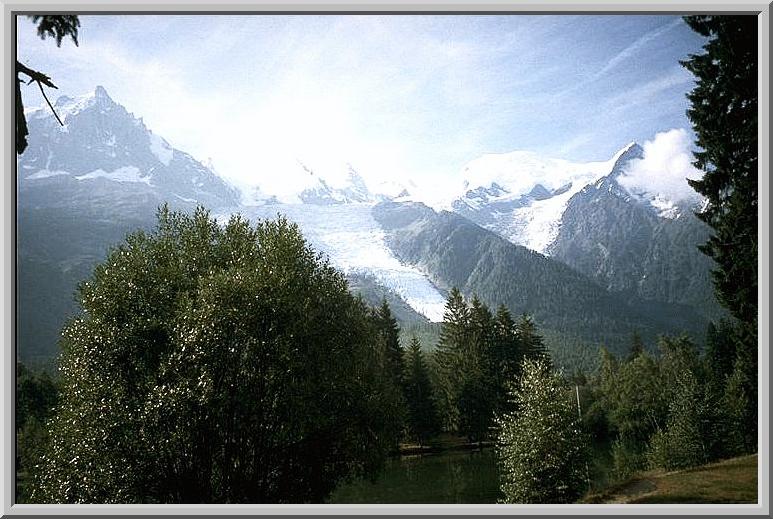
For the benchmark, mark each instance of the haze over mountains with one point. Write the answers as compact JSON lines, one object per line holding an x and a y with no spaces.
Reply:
{"x":573,"y":244}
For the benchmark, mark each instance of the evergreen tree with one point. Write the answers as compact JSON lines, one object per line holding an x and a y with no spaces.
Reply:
{"x":449,"y":357}
{"x":720,"y":353}
{"x":508,"y":356}
{"x":724,"y":116}
{"x":216,"y":364}
{"x":389,"y":333}
{"x":723,"y":112}
{"x":541,"y":449}
{"x":422,"y":416}
{"x":477,"y":393}
{"x":530,"y":341}
{"x":637,"y":346}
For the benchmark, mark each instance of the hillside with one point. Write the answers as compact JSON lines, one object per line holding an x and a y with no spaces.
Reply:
{"x":726,"y":482}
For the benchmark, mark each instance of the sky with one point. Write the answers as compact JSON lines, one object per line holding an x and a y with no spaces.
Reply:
{"x":398,"y":97}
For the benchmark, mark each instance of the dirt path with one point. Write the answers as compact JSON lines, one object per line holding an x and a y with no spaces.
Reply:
{"x":631,"y":490}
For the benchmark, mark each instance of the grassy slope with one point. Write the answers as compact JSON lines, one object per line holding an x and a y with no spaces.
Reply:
{"x":728,"y":481}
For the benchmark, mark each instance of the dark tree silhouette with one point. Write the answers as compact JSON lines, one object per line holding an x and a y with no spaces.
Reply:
{"x":723,"y":112}
{"x":48,"y":25}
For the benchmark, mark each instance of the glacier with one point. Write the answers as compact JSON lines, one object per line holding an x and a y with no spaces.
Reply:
{"x":355,"y":244}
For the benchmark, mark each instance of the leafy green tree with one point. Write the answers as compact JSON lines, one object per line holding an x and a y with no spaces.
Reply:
{"x":739,"y":410}
{"x":678,"y":355}
{"x":422,"y":418}
{"x":216,"y":364}
{"x":723,"y":112}
{"x":680,"y":444}
{"x":541,"y":448}
{"x":36,"y":397}
{"x":601,"y":391}
{"x":720,"y":353}
{"x":636,"y":408}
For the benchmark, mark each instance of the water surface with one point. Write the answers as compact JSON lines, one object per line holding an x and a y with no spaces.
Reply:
{"x":446,"y":477}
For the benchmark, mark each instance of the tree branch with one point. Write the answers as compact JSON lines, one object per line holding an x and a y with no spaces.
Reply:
{"x":41,"y":79}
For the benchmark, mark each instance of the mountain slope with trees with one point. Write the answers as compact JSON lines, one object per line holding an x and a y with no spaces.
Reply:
{"x":456,"y":252}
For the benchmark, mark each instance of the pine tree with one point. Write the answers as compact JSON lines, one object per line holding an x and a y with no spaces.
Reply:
{"x":422,"y":419}
{"x":541,"y":448}
{"x":724,"y":116}
{"x":389,"y":333}
{"x":508,"y":355}
{"x":637,"y":346}
{"x":532,"y":343}
{"x":477,"y":393}
{"x":449,"y":357}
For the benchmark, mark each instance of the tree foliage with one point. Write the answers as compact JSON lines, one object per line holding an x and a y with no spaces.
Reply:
{"x":542,"y":450}
{"x":422,"y":419}
{"x":217,"y":364}
{"x":36,"y":397}
{"x":723,"y":112}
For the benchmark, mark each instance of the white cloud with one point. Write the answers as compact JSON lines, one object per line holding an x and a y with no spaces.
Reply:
{"x":665,"y":167}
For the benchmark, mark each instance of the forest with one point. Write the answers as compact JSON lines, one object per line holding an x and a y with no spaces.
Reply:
{"x":232,"y":365}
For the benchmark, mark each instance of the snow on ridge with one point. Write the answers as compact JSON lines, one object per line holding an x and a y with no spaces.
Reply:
{"x":45,"y":173}
{"x":123,"y":174}
{"x":519,"y":172}
{"x":355,"y":243}
{"x":665,"y":207}
{"x":161,"y":149}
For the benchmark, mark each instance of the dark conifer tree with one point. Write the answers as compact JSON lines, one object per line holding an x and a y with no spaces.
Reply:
{"x":724,"y":116}
{"x":532,"y":343}
{"x":723,"y":112}
{"x":508,"y":355}
{"x":422,"y":419}
{"x":449,"y":357}
{"x":637,"y":346}
{"x":389,"y":333}
{"x":477,"y":393}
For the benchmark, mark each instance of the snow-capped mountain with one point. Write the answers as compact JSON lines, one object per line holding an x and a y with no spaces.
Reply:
{"x":303,"y":182}
{"x":102,"y":143}
{"x":589,"y":217}
{"x":522,"y":196}
{"x":84,"y":185}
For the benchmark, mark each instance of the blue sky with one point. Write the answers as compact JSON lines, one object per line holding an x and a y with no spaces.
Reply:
{"x":397,"y":96}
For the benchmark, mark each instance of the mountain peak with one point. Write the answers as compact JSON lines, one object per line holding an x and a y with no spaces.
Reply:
{"x":100,"y":91}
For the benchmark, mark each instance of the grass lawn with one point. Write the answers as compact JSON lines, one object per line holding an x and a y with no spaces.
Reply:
{"x":729,"y":481}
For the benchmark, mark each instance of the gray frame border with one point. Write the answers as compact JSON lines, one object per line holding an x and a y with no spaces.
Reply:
{"x":7,"y":234}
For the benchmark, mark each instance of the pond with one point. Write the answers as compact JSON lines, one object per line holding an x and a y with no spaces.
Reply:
{"x":446,"y":477}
